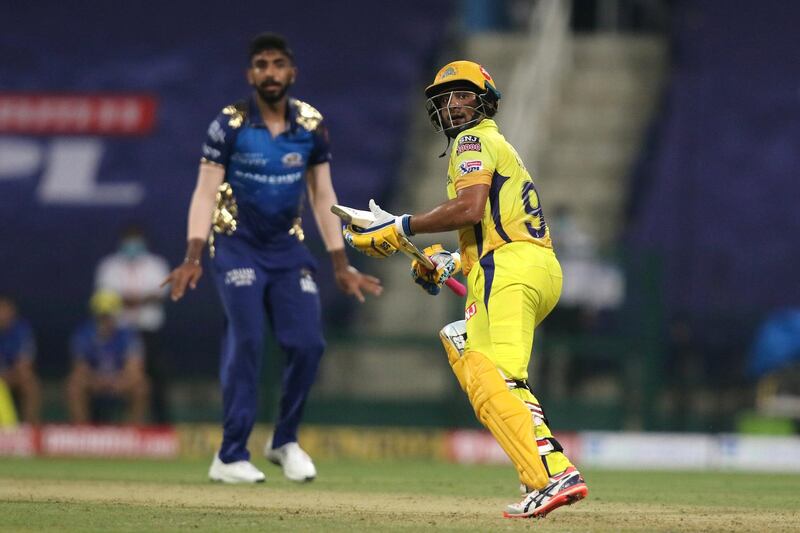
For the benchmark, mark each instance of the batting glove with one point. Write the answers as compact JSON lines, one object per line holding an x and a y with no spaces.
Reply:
{"x":431,"y":280}
{"x":380,"y":239}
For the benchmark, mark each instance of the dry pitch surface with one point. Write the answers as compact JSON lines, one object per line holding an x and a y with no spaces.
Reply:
{"x":83,"y":495}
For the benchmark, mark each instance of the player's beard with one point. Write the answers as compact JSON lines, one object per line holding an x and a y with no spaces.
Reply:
{"x":452,"y":129}
{"x":272,"y":97}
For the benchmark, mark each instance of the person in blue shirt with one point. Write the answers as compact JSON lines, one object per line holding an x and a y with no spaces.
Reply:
{"x":261,"y":156}
{"x":17,"y":355}
{"x":107,"y":362}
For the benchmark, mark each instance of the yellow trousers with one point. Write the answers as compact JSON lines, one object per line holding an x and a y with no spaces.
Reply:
{"x":509,"y":292}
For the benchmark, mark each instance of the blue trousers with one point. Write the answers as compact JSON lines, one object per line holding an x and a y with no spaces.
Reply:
{"x":254,"y":290}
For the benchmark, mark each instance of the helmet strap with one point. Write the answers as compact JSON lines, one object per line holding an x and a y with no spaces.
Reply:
{"x":444,"y":152}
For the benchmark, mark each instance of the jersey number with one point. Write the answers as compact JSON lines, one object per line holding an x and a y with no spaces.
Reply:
{"x":530,"y":200}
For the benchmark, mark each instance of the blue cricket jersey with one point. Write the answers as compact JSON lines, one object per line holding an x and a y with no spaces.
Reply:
{"x":107,"y":356}
{"x":266,"y":173}
{"x":16,"y":341}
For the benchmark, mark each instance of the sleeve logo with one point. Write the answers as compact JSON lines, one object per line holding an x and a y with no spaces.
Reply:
{"x":216,"y":133}
{"x":468,"y":143}
{"x":470,"y":166}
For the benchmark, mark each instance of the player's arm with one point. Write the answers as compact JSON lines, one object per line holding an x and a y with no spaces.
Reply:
{"x":466,"y":209}
{"x":209,"y":178}
{"x":382,"y":238}
{"x":322,"y":196}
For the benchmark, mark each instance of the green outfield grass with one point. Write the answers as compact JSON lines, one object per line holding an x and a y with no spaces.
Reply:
{"x":113,"y":495}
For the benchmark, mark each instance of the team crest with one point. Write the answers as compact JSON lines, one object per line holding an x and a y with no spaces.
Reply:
{"x":470,"y":166}
{"x":292,"y":159}
{"x":307,"y":283}
{"x":449,"y":71}
{"x":468,"y":143}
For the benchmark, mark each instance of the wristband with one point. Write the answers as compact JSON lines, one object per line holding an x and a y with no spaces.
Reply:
{"x":403,"y":223}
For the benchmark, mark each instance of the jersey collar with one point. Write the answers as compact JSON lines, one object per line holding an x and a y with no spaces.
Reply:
{"x":254,"y":114}
{"x":486,"y":123}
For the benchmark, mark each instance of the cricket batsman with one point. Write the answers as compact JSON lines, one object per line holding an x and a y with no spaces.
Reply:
{"x":513,"y":279}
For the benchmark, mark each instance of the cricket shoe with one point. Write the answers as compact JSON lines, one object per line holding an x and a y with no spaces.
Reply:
{"x":295,"y":462}
{"x":565,"y":488}
{"x":236,"y":472}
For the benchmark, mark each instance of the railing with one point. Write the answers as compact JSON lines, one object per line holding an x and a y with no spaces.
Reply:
{"x":536,"y":78}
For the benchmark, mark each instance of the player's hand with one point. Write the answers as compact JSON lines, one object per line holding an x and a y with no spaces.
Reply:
{"x":431,"y":280}
{"x":381,"y":238}
{"x":352,"y":282}
{"x":187,"y":274}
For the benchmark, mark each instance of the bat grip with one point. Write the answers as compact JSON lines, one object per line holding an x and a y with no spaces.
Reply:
{"x":456,"y":286}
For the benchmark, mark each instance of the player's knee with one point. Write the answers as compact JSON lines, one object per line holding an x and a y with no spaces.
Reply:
{"x":484,"y":381}
{"x":309,"y":347}
{"x":246,"y":345}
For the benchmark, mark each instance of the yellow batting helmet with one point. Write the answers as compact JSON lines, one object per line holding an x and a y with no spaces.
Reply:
{"x":460,"y":73}
{"x":456,"y":77}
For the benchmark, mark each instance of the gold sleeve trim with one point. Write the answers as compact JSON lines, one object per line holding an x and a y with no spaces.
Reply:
{"x":224,"y":219}
{"x":481,"y":177}
{"x":237,"y":113}
{"x":307,"y":115}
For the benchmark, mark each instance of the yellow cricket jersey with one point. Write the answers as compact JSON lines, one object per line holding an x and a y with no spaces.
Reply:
{"x":513,"y":213}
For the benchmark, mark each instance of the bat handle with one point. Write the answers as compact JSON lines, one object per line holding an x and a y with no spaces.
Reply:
{"x":456,"y":286}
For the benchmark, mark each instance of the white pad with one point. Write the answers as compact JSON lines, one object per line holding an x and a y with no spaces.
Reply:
{"x":456,"y":333}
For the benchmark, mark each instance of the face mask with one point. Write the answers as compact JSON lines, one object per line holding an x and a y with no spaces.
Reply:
{"x":132,"y":247}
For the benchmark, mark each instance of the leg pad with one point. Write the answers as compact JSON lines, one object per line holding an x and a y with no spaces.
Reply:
{"x":503,"y":414}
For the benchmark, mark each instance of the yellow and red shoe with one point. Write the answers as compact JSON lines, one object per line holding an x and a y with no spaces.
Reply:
{"x":565,"y":488}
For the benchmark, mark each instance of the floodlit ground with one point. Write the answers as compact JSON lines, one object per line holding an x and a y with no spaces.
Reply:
{"x":110,"y":495}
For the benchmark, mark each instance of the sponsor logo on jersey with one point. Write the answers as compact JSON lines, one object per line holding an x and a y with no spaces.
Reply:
{"x":240,"y":277}
{"x":292,"y":159}
{"x":468,"y":143}
{"x":253,"y":159}
{"x":470,"y":166}
{"x":307,"y":283}
{"x":272,"y":179}
{"x":470,"y":311}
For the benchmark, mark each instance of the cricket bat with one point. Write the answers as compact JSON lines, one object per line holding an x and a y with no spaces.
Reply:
{"x":365,"y":219}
